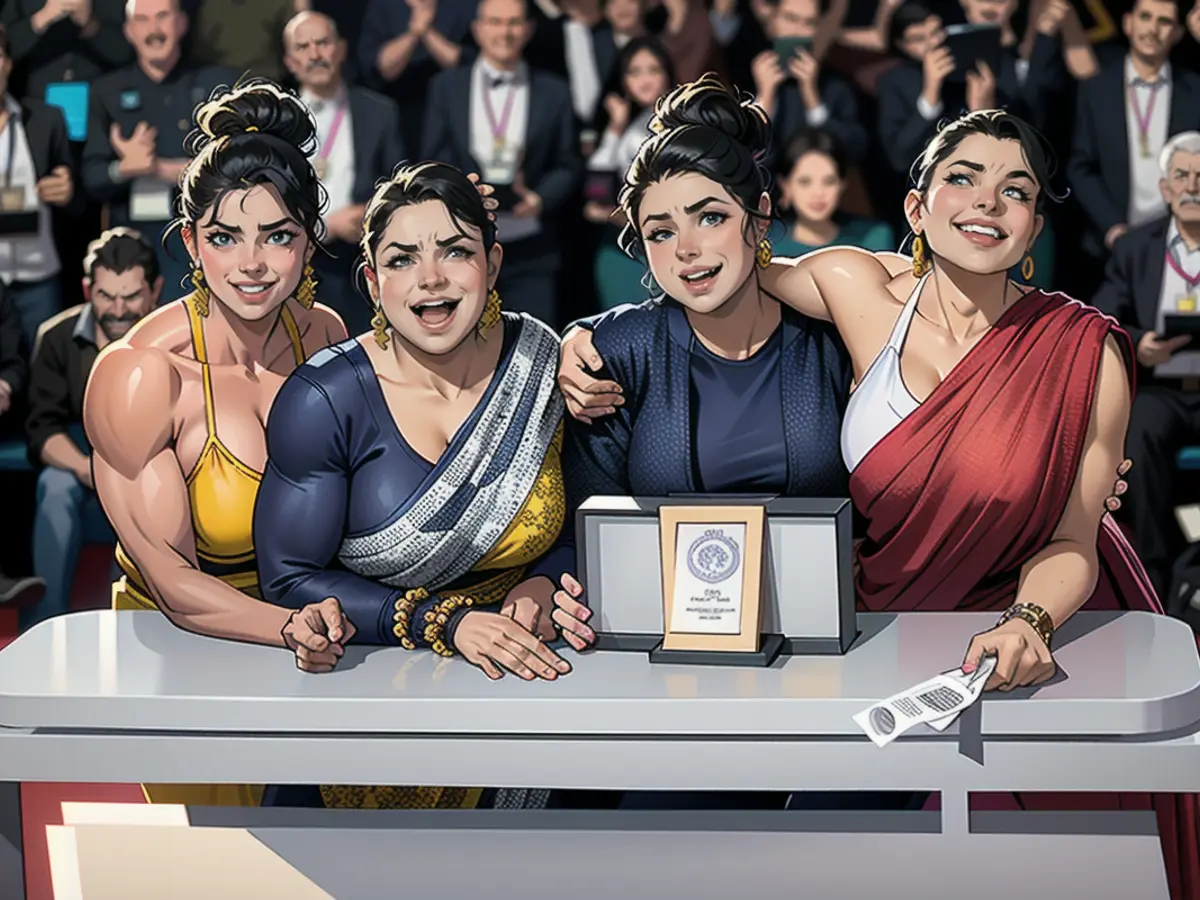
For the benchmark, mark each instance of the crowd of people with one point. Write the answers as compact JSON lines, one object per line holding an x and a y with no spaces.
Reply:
{"x":294,"y":393}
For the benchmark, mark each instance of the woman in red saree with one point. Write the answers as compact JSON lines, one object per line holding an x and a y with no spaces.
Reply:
{"x":985,"y":427}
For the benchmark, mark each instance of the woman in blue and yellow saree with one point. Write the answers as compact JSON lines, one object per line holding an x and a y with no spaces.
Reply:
{"x":414,"y":473}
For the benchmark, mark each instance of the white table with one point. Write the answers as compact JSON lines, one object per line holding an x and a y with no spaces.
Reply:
{"x":126,"y":697}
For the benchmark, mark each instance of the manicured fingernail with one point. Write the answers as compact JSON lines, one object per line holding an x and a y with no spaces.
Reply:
{"x":969,"y":667}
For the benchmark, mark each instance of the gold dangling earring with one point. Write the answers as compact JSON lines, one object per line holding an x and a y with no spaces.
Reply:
{"x":379,"y":329}
{"x":200,"y":295}
{"x":921,"y":263}
{"x":306,"y":294}
{"x":764,"y":254}
{"x":1027,"y":267}
{"x":491,"y":312}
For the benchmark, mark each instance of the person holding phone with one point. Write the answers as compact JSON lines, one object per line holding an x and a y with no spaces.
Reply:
{"x":975,"y":67}
{"x":1151,"y":286}
{"x":796,"y":91}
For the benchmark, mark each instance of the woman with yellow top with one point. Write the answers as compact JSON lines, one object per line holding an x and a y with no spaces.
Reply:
{"x":422,"y":460}
{"x":174,"y":411}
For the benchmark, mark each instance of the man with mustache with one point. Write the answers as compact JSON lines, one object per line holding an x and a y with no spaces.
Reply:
{"x":138,"y":120}
{"x":1154,"y":272}
{"x":358,"y":143}
{"x":121,"y":283}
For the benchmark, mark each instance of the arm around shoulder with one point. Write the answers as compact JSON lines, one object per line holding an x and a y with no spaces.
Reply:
{"x":811,"y":284}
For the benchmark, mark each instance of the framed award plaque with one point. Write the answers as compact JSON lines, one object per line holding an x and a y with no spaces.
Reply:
{"x":712,"y":568}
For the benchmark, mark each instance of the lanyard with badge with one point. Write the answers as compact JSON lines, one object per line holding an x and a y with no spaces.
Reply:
{"x":1187,"y":303}
{"x":321,"y":163}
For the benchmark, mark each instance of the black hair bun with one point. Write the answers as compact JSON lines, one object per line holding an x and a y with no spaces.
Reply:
{"x":708,"y":103}
{"x":254,"y":106}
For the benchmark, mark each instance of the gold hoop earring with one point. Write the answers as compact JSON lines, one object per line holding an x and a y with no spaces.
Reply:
{"x":306,"y":294}
{"x":1027,"y":267}
{"x":491,"y":312}
{"x":763,"y":256}
{"x":921,"y":263}
{"x":200,"y":294}
{"x":379,"y":329}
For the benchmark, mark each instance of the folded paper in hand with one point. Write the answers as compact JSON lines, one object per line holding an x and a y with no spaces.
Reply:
{"x":936,"y":703}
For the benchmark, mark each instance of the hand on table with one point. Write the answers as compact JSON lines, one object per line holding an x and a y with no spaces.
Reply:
{"x":529,"y":604}
{"x":495,"y":642}
{"x":588,"y":398}
{"x":1022,"y":657}
{"x":570,"y":615}
{"x":318,"y":634}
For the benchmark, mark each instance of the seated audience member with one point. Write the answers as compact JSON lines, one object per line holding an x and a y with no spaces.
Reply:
{"x":404,"y":44}
{"x":520,"y":136}
{"x":14,"y":372}
{"x":797,"y":92}
{"x":121,"y":284}
{"x":139,"y":118}
{"x":358,"y":143}
{"x":1123,"y":118}
{"x":1154,"y":272}
{"x":930,"y":84}
{"x":645,"y":75}
{"x":242,"y":35}
{"x":812,"y":178}
{"x":626,"y":19}
{"x":35,"y":157}
{"x":65,"y":44}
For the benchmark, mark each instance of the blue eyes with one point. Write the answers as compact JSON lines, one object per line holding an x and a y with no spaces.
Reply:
{"x":707,"y":220}
{"x":281,"y":238}
{"x":958,"y":179}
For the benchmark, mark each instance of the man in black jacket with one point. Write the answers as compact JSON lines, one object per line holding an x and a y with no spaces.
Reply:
{"x":122,"y":284}
{"x":1154,"y":272}
{"x":14,"y":373}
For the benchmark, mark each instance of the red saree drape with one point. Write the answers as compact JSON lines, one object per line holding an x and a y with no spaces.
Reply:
{"x":972,"y":485}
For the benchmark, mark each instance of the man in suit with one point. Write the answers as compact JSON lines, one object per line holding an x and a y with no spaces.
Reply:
{"x":36,"y":162}
{"x":515,"y":125}
{"x":121,"y":284}
{"x":798,"y":92}
{"x":1123,"y":118}
{"x":1154,"y":271}
{"x":358,"y":142}
{"x":138,"y":120}
{"x":929,"y":84}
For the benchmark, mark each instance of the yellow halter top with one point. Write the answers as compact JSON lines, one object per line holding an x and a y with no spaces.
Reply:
{"x":221,"y":492}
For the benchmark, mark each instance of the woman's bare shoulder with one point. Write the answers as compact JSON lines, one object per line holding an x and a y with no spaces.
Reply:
{"x":319,"y":327}
{"x":166,"y":329}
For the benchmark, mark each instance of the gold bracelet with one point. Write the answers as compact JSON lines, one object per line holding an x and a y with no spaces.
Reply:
{"x":436,"y":619}
{"x":404,"y":610}
{"x":1034,"y":616}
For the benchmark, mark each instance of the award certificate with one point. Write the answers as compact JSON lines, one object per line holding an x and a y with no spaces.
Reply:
{"x":709,"y":566}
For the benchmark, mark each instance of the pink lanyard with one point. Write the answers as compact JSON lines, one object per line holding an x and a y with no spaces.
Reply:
{"x":498,"y":128}
{"x":327,"y":145}
{"x":1143,"y":121}
{"x":1190,"y":280}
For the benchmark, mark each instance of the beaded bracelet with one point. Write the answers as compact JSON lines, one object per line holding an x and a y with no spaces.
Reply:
{"x":1034,"y":616}
{"x":404,"y":610}
{"x":436,"y":619}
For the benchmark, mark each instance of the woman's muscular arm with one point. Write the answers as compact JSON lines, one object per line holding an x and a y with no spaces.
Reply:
{"x":128,"y":415}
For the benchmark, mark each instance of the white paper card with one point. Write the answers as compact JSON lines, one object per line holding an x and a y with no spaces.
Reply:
{"x":936,"y":702}
{"x":149,"y":200}
{"x":709,"y":561}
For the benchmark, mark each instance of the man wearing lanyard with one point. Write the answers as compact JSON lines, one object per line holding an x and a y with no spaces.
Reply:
{"x":35,"y":175}
{"x":1154,"y":272}
{"x":1113,"y":167}
{"x":138,"y":119}
{"x":520,"y":136}
{"x":358,"y":142}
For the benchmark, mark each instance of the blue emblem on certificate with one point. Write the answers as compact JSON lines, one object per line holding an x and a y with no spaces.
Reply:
{"x":713,"y":557}
{"x":709,"y":569}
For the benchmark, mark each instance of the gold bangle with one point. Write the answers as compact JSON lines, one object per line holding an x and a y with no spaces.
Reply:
{"x":1034,"y":616}
{"x":404,"y":610}
{"x":436,"y":619}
